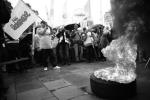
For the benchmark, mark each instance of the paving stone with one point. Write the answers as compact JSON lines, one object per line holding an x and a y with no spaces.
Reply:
{"x":34,"y":84}
{"x":11,"y":93}
{"x":51,"y":98}
{"x":87,"y":97}
{"x":24,"y":80}
{"x":70,"y":68}
{"x":35,"y":94}
{"x":83,"y":72}
{"x":68,"y":93}
{"x":28,"y":88}
{"x":43,"y":73}
{"x":48,"y":78}
{"x":53,"y":85}
{"x":87,"y":89}
{"x":77,"y":80}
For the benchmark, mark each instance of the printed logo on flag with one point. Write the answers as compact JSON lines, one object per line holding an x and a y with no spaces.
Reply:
{"x":19,"y":21}
{"x":21,"y":18}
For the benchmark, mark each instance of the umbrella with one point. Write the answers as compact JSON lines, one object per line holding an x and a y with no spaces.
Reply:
{"x":97,"y":25}
{"x":71,"y":26}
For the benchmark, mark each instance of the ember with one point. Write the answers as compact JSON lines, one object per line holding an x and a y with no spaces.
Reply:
{"x":123,"y":53}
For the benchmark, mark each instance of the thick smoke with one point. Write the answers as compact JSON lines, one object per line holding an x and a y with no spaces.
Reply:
{"x":137,"y":12}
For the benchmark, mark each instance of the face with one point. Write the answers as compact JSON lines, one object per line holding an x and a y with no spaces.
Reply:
{"x":75,"y":26}
{"x":40,"y":30}
{"x":54,"y":31}
{"x":43,"y":25}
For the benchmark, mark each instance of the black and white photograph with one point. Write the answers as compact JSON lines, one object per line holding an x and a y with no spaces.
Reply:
{"x":74,"y":50}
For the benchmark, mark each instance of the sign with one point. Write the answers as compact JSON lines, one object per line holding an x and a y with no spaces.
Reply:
{"x":108,"y":19}
{"x":21,"y":18}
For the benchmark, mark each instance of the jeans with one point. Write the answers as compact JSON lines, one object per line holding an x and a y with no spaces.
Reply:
{"x":48,"y":53}
{"x":64,"y":53}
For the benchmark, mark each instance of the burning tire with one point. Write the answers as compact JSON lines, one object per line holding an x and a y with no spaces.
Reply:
{"x":112,"y":89}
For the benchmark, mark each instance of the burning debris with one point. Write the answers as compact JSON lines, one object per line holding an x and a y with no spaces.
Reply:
{"x":132,"y":26}
{"x":114,"y":81}
{"x":123,"y":53}
{"x":131,"y":23}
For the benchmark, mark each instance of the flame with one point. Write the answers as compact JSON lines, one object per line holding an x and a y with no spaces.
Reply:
{"x":122,"y":52}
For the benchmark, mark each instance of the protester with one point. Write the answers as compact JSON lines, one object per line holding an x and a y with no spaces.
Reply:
{"x":95,"y":44}
{"x":83,"y":39}
{"x":56,"y":40}
{"x":89,"y":46}
{"x":104,"y":42}
{"x":64,"y":45}
{"x":25,"y":42}
{"x":76,"y":39}
{"x":46,"y":47}
{"x":37,"y":51}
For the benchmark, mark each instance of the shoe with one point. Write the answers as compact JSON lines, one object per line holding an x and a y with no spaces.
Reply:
{"x":57,"y":67}
{"x":45,"y":68}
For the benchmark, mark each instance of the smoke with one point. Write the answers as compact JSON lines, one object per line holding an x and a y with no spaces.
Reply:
{"x":135,"y":13}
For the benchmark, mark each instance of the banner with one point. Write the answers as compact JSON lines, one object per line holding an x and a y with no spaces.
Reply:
{"x":108,"y":19}
{"x":21,"y":18}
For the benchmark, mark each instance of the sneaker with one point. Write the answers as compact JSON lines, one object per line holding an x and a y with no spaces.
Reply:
{"x":45,"y":68}
{"x":57,"y":67}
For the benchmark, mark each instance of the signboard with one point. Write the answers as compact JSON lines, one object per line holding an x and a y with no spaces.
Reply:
{"x":108,"y":19}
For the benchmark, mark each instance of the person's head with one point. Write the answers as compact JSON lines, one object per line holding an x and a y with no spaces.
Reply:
{"x":67,"y":31}
{"x":84,"y":29}
{"x":106,"y":30}
{"x":54,"y":30}
{"x":97,"y":28}
{"x":76,"y":26}
{"x":40,"y":30}
{"x":107,"y":27}
{"x":43,"y":24}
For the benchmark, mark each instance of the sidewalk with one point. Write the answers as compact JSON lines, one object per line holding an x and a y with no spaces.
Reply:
{"x":70,"y":83}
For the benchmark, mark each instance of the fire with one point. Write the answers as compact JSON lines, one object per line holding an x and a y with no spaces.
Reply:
{"x":122,"y":52}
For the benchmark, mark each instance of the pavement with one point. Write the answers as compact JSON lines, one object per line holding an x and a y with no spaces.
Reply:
{"x":71,"y":82}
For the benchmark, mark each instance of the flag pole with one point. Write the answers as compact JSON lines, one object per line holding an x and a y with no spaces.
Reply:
{"x":33,"y":43}
{"x":147,"y":62}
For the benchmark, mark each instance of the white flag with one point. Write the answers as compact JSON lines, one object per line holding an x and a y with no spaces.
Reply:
{"x":21,"y":18}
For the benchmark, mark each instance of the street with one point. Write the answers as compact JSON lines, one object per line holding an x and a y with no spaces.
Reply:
{"x":69,"y":83}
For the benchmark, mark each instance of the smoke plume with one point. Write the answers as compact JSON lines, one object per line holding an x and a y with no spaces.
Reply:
{"x":136,"y":12}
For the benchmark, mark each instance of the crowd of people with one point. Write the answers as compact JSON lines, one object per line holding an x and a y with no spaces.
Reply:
{"x":59,"y":46}
{"x":63,"y":46}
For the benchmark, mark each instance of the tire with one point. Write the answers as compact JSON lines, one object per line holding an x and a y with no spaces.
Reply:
{"x":111,"y":89}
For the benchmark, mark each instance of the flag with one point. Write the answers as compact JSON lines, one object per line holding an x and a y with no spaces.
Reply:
{"x":21,"y":18}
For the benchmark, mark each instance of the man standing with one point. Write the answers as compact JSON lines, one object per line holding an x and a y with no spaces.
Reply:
{"x":46,"y":47}
{"x":64,"y":45}
{"x":76,"y":39}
